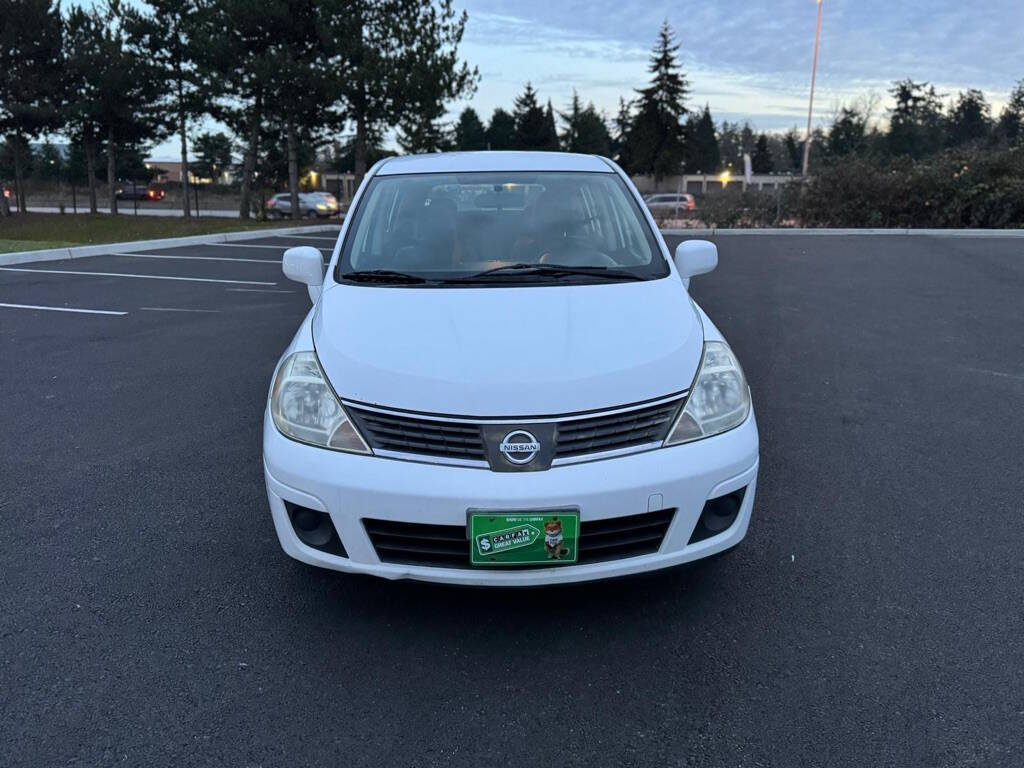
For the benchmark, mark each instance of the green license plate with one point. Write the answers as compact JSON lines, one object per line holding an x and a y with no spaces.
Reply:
{"x":533,"y":537}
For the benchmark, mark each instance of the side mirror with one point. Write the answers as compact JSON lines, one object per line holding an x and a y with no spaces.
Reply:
{"x":695,"y":257}
{"x":304,"y":264}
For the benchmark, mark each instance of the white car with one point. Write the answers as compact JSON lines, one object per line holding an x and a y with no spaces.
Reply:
{"x":504,"y":381}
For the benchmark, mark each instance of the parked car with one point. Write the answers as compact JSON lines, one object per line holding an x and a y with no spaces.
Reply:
{"x":670,"y":202}
{"x":132,"y":191}
{"x":311,"y":204}
{"x":504,"y":381}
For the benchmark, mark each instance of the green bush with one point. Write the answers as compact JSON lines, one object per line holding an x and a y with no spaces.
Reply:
{"x":965,"y":188}
{"x":959,"y":188}
{"x":752,"y":208}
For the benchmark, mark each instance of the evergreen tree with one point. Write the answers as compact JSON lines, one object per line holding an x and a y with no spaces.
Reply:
{"x":342,"y":154}
{"x":593,"y":137}
{"x":74,"y":166}
{"x":915,"y":123}
{"x":734,"y":141}
{"x":165,"y":36}
{"x":620,"y":140}
{"x":418,"y":134}
{"x":550,"y":129}
{"x":761,"y":160}
{"x":235,"y":39}
{"x":656,"y":136}
{"x":31,"y":38}
{"x":970,"y":119}
{"x":748,"y":139}
{"x":794,"y":150}
{"x":83,"y":76}
{"x":400,"y":63}
{"x":501,"y":131}
{"x":275,"y":163}
{"x":277,"y":81}
{"x":702,"y":153}
{"x":585,"y":130}
{"x":535,"y":127}
{"x":113,"y":92}
{"x":848,"y":132}
{"x":213,"y":151}
{"x":1011,"y":121}
{"x":433,"y":75}
{"x":571,"y":117}
{"x":299,"y":90}
{"x":470,"y":134}
{"x":48,"y":162}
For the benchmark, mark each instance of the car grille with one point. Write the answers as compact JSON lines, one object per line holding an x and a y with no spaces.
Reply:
{"x":462,"y":440}
{"x":620,"y":430}
{"x":397,"y":432}
{"x":446,"y":546}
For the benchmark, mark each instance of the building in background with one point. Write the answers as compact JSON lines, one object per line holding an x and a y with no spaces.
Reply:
{"x":169,"y":171}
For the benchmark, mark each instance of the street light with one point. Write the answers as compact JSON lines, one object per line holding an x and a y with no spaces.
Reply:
{"x":810,"y":106}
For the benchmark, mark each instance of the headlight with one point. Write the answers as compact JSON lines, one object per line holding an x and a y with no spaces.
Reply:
{"x":719,"y":400}
{"x":304,"y":407}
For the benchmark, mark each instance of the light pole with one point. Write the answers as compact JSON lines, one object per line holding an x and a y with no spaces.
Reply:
{"x":810,"y":106}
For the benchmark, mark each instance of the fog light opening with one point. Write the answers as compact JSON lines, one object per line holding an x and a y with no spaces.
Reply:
{"x":718,"y":515}
{"x":315,"y":529}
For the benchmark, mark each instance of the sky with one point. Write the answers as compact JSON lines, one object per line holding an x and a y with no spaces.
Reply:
{"x":748,"y":60}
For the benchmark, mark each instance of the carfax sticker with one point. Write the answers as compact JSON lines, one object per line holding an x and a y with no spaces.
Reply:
{"x":542,"y":538}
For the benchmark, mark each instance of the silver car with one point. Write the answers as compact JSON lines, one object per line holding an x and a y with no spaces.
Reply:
{"x":311,"y":204}
{"x":670,"y":202}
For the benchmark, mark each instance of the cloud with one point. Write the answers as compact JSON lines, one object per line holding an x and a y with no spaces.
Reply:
{"x":745,"y":57}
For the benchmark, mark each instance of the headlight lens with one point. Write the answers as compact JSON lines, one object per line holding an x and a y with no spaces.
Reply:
{"x":719,"y":400}
{"x":304,"y":407}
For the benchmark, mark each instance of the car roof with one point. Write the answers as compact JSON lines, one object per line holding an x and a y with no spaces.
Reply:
{"x":464,"y":162}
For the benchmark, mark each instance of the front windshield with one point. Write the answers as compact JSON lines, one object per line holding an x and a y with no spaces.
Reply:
{"x":499,"y":228}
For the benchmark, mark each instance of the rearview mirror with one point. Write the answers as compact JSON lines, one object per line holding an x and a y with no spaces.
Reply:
{"x":304,"y":264}
{"x":695,"y":257}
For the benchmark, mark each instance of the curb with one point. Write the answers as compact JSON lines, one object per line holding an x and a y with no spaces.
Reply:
{"x":82,"y":251}
{"x":715,"y":231}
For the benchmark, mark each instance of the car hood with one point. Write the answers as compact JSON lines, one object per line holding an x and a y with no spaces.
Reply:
{"x":509,"y":351}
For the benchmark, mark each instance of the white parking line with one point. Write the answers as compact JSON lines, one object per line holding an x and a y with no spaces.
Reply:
{"x":256,"y":290}
{"x":250,"y":245}
{"x":64,"y":309}
{"x":175,"y":309}
{"x":141,"y":277}
{"x":196,"y":258}
{"x":308,"y":237}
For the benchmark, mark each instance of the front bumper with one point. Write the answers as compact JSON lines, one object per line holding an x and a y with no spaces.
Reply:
{"x":351,"y":487}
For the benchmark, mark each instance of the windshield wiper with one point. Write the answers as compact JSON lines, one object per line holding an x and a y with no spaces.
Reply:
{"x":550,"y":270}
{"x":382,"y":276}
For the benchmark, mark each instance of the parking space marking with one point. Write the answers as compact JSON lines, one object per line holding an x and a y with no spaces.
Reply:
{"x":257,"y":290}
{"x":64,"y":309}
{"x":196,"y":258}
{"x":308,"y":237}
{"x":250,"y":245}
{"x":141,"y":277}
{"x":175,"y":309}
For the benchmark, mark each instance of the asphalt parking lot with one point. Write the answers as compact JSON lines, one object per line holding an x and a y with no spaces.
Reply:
{"x":873,"y":616}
